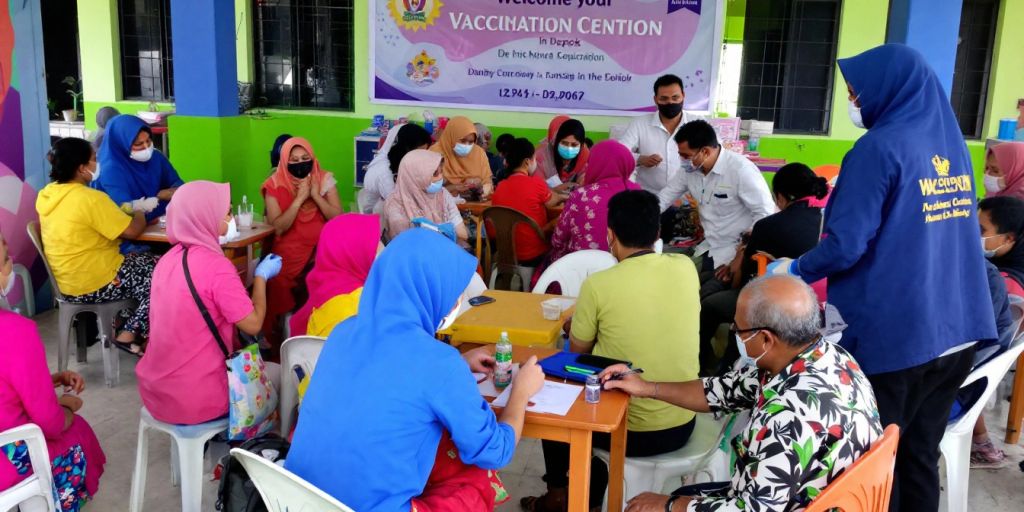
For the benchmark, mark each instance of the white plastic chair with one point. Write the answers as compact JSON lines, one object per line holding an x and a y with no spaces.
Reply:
{"x":35,"y":493}
{"x":187,"y":442}
{"x":572,"y":269}
{"x":650,"y":474}
{"x":282,"y":490}
{"x":956,"y":443}
{"x":302,"y":351}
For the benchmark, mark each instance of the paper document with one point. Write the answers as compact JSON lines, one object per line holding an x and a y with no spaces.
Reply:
{"x":554,"y":181}
{"x":553,"y":398}
{"x":486,"y":383}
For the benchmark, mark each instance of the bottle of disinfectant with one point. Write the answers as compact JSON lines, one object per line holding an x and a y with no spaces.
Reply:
{"x":503,"y":358}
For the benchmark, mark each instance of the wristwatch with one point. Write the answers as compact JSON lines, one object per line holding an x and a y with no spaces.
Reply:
{"x":671,"y":500}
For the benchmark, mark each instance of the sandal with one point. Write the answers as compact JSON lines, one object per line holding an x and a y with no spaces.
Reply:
{"x":131,"y":347}
{"x":555,"y":500}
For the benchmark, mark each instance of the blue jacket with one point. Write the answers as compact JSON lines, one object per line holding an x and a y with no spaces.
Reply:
{"x":901,"y":250}
{"x":384,"y":389}
{"x":124,"y":179}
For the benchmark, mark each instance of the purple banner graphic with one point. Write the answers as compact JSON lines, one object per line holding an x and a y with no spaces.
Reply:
{"x":596,"y":56}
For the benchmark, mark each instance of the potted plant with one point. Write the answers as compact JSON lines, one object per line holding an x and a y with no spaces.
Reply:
{"x":75,"y":91}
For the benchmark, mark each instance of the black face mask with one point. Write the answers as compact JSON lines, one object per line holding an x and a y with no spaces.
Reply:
{"x":670,"y":110}
{"x":300,"y":169}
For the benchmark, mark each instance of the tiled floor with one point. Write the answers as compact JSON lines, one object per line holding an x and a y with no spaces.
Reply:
{"x":114,"y":414}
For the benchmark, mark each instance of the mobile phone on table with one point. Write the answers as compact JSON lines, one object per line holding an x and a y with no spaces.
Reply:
{"x":480,"y":300}
{"x":599,"y":362}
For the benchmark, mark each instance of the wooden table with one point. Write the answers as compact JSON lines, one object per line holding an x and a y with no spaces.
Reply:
{"x":517,"y":313}
{"x":476,"y":208}
{"x":1016,"y":416}
{"x":239,"y":251}
{"x":576,"y":428}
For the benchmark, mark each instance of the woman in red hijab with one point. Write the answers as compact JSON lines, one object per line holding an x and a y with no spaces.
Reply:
{"x":563,"y":153}
{"x":1004,"y":170}
{"x":300,"y":197}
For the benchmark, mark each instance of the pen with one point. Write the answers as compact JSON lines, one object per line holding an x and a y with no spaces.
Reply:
{"x":618,"y":376}
{"x":578,"y":370}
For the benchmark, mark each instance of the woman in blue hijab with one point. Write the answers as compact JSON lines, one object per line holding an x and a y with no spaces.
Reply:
{"x":385,"y":390}
{"x":132,"y":168}
{"x":901,"y":254}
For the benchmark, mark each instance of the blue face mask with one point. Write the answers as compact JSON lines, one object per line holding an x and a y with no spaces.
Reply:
{"x":463,"y":149}
{"x":568,"y":152}
{"x":435,"y":186}
{"x":741,"y":345}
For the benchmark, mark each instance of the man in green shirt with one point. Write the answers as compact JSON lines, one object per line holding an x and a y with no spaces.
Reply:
{"x":646,"y":310}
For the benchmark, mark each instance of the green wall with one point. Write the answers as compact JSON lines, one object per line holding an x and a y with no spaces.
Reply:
{"x":236,"y":149}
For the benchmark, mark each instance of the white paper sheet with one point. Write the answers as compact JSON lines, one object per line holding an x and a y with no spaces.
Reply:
{"x":554,"y":181}
{"x":485,"y":383}
{"x":553,"y":398}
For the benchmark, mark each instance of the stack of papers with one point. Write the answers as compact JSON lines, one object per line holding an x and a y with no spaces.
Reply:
{"x":553,"y":398}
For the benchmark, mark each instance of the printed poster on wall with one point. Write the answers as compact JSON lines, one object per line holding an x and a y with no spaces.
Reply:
{"x":582,"y":56}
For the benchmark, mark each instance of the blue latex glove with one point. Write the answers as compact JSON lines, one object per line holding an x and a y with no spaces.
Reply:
{"x":269,"y":267}
{"x":782,"y":267}
{"x":447,"y":229}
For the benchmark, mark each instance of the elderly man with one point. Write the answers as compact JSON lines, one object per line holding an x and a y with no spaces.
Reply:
{"x":812,"y":411}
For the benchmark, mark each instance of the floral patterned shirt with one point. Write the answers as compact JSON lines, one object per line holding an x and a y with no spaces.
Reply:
{"x":807,"y":424}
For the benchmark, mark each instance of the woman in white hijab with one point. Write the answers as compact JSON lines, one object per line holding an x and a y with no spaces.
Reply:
{"x":379,"y":181}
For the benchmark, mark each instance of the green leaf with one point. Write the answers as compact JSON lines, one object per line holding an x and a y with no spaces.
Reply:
{"x":773,"y":409}
{"x":804,"y":452}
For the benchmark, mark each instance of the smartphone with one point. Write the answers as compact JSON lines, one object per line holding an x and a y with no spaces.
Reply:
{"x":480,"y":300}
{"x":599,"y":362}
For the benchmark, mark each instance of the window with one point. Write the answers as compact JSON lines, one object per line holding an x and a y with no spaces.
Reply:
{"x":147,"y":71}
{"x":304,"y":53}
{"x":973,"y":64}
{"x":789,"y":52}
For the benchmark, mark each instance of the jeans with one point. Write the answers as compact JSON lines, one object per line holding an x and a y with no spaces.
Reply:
{"x":919,"y":399}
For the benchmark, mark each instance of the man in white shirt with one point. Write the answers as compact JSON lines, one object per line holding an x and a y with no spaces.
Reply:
{"x":731,"y":196}
{"x":650,"y":138}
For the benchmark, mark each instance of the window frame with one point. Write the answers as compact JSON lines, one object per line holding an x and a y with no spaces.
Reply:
{"x":166,"y":58}
{"x":956,"y":93}
{"x":296,"y":99}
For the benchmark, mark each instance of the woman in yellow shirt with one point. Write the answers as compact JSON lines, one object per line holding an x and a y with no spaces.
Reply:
{"x":348,"y":245}
{"x":81,"y":230}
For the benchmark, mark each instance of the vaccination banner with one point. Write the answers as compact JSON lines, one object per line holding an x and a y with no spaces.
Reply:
{"x":583,"y":56}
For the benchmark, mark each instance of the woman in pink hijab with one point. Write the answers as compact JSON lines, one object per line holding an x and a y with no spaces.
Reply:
{"x":1004,"y":170}
{"x":584,"y":222}
{"x":418,"y":194}
{"x":182,"y":377}
{"x":348,"y":245}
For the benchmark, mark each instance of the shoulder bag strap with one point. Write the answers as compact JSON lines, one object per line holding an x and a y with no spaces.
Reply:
{"x":202,"y":307}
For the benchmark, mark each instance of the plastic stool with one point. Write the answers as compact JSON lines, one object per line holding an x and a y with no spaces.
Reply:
{"x":187,"y":442}
{"x":649,"y":474}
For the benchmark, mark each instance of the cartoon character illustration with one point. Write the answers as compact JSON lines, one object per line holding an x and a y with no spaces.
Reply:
{"x":422,"y":69}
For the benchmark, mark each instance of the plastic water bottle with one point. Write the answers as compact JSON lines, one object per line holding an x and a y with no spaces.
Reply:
{"x":503,"y":359}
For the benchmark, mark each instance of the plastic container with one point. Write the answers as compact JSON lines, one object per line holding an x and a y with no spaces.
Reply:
{"x":592,"y":390}
{"x":551,"y":310}
{"x":1007,"y":128}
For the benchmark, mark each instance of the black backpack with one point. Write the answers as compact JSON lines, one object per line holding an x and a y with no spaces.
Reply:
{"x":237,"y":492}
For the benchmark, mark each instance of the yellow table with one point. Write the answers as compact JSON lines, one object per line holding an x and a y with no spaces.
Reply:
{"x":517,"y":313}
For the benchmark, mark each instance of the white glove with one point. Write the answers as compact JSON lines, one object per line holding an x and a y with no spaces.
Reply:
{"x":145,"y":205}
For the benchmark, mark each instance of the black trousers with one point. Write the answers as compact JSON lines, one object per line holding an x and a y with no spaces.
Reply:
{"x":919,"y":399}
{"x":638,"y":444}
{"x":717,"y":309}
{"x":668,"y":224}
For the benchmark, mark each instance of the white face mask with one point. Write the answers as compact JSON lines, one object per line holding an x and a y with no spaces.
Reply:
{"x":449,"y":319}
{"x":6,"y":286}
{"x":989,"y":253}
{"x":993,"y":183}
{"x":463,"y":149}
{"x":232,"y":233}
{"x":143,"y":155}
{"x":855,"y":116}
{"x":95,"y":175}
{"x":741,"y":344}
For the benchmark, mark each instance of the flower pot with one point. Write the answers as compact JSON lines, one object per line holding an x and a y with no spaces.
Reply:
{"x":70,"y":116}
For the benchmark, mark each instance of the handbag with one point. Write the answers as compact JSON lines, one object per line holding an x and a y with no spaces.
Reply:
{"x":252,"y":399}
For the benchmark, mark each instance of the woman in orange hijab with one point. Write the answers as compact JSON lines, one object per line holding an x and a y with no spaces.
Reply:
{"x":465,"y":162}
{"x":301,"y":197}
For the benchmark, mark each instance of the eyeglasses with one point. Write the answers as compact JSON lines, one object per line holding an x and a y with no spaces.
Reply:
{"x":736,"y":329}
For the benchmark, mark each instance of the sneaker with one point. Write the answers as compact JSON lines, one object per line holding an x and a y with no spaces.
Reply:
{"x":987,"y":456}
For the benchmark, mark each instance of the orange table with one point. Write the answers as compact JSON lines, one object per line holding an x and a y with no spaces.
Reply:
{"x":517,"y":313}
{"x":240,"y":251}
{"x":1016,"y":416}
{"x":576,"y":428}
{"x":476,"y":208}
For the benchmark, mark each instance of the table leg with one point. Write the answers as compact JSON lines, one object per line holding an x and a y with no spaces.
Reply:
{"x":617,"y":465}
{"x":1013,"y":421}
{"x":248,"y":265}
{"x":580,"y":444}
